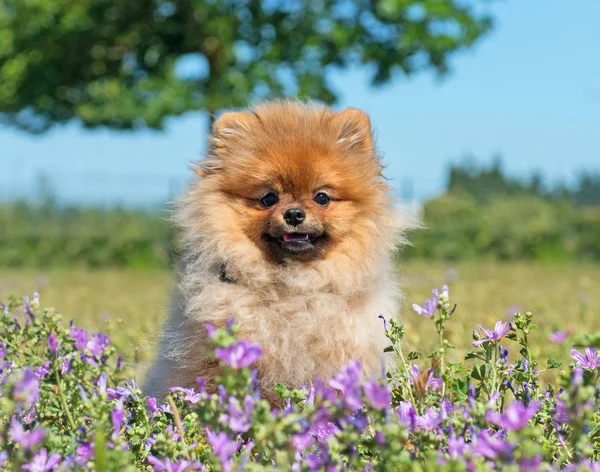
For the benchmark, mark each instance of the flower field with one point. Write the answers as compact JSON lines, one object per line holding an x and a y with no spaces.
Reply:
{"x":67,"y":402}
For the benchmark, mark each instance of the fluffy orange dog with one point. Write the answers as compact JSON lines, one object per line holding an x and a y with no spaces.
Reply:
{"x":289,"y":231}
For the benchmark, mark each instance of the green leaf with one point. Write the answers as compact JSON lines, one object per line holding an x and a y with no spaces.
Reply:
{"x":553,"y":363}
{"x":413,"y":355}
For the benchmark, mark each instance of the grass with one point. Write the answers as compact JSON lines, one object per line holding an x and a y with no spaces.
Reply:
{"x":131,"y":305}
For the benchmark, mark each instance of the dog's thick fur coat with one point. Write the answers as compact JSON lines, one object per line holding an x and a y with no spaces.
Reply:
{"x":310,"y":316}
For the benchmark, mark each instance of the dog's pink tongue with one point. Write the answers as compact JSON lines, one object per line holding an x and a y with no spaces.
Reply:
{"x":295,"y":237}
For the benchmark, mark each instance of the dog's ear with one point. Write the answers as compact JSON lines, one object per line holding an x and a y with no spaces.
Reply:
{"x":354,"y":130}
{"x":232,"y":124}
{"x":227,"y":132}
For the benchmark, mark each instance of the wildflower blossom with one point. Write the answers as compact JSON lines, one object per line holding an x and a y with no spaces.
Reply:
{"x":591,"y":360}
{"x":190,"y":394}
{"x":515,"y":417}
{"x":116,"y":417}
{"x":97,"y":344}
{"x":167,"y":466}
{"x":429,"y":307}
{"x":347,"y":381}
{"x":378,"y":395}
{"x":42,"y":463}
{"x":501,"y":329}
{"x":432,"y":383}
{"x":431,"y":420}
{"x":42,"y":370}
{"x":407,"y":415}
{"x":223,"y":446}
{"x":52,"y":344}
{"x":492,"y":446}
{"x":27,"y":388}
{"x":238,"y":418}
{"x":85,"y":452}
{"x":558,"y":337}
{"x":302,"y":441}
{"x":80,"y":337}
{"x":26,"y":439}
{"x":240,"y":355}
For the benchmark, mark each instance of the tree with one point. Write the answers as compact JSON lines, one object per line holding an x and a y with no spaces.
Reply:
{"x":121,"y":63}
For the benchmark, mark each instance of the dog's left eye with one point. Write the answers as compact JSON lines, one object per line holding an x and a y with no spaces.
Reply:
{"x":269,"y":200}
{"x":322,"y":199}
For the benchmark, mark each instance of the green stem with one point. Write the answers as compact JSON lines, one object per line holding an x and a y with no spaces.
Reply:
{"x":494,"y":373}
{"x":63,"y":400}
{"x":406,"y":374}
{"x":442,"y":354}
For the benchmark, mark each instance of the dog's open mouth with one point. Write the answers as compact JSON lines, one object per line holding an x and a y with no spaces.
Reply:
{"x":295,"y":238}
{"x":300,"y":245}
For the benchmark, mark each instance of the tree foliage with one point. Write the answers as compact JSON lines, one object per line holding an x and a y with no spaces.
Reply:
{"x":487,"y":183}
{"x":132,"y":63}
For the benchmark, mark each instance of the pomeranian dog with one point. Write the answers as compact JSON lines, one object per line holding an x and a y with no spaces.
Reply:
{"x":289,"y":230}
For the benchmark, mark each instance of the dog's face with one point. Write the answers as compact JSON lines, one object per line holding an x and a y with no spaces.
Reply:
{"x":298,"y":180}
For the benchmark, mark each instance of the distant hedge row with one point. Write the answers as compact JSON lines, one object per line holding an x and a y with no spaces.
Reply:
{"x":507,"y":228}
{"x":47,"y":235}
{"x":456,"y":227}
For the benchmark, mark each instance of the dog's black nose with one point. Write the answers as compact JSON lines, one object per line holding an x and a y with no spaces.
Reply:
{"x":294,"y":216}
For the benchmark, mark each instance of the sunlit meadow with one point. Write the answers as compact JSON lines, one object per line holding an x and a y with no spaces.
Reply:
{"x":478,"y":382}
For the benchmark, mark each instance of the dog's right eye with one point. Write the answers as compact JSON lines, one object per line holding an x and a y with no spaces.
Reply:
{"x":269,"y":200}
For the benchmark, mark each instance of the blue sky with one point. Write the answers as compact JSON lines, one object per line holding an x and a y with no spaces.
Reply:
{"x":530,"y":91}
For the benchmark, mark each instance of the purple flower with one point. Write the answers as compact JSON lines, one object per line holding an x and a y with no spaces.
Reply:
{"x":3,"y":457}
{"x":431,"y":420}
{"x":82,"y":394}
{"x":301,"y":442}
{"x":492,"y":446}
{"x":210,"y":329}
{"x":591,"y":360}
{"x":168,"y":466}
{"x":80,"y":337}
{"x":67,"y":366}
{"x":503,"y":354}
{"x":85,"y":452}
{"x":98,"y":344}
{"x":42,"y":370}
{"x":53,"y":344}
{"x":407,"y":415}
{"x":347,"y":381}
{"x":386,"y":325}
{"x":429,"y":307}
{"x":28,"y":310}
{"x":531,"y":464}
{"x":116,"y":417}
{"x":378,"y":395}
{"x":223,"y":446}
{"x":26,"y":439}
{"x":501,"y":329}
{"x":584,"y":465}
{"x":42,"y":463}
{"x":237,"y":418}
{"x":561,"y":413}
{"x":322,"y":427}
{"x":240,"y":355}
{"x":120,"y":362}
{"x":27,"y":388}
{"x":433,"y":383}
{"x":152,"y":405}
{"x":457,"y":447}
{"x":558,"y":337}
{"x":102,"y":382}
{"x":515,"y":417}
{"x":190,"y":394}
